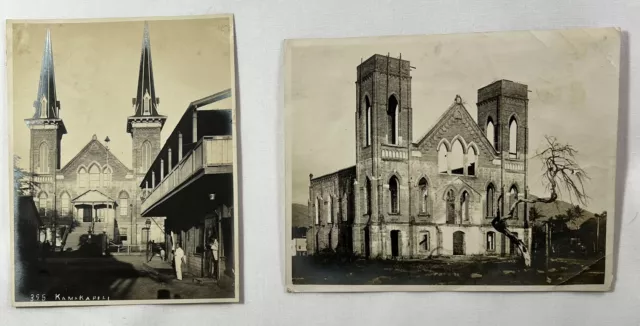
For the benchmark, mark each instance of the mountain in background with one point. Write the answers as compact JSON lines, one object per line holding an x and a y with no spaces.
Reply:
{"x":300,"y":216}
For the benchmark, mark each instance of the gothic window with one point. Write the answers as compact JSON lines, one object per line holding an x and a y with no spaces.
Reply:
{"x":423,"y":187}
{"x":83,"y":178}
{"x":43,"y":166}
{"x":472,"y":160}
{"x":491,"y":133}
{"x":367,"y":122}
{"x":392,"y":120}
{"x":490,"y":201}
{"x":64,"y":204}
{"x":443,"y":166}
{"x":146,"y":102}
{"x":367,"y":194}
{"x":330,"y":209}
{"x":123,"y":202}
{"x":513,"y":138}
{"x":145,"y":161}
{"x":451,"y":207}
{"x":491,"y":241}
{"x":456,"y":158}
{"x":107,"y":173}
{"x":424,"y":242}
{"x":513,"y":198}
{"x":94,"y":177}
{"x":464,"y":205}
{"x":42,"y":203}
{"x":393,"y":194}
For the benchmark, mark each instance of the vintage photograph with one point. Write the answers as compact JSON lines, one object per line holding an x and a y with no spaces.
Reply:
{"x":120,"y":198}
{"x":471,"y":162}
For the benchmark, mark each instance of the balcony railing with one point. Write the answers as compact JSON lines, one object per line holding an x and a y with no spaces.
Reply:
{"x":210,"y":151}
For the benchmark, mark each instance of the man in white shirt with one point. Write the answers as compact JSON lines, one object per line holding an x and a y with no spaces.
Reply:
{"x":179,"y":257}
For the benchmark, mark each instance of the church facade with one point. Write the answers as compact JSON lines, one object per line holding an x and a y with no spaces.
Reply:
{"x":435,"y":196}
{"x":94,"y":193}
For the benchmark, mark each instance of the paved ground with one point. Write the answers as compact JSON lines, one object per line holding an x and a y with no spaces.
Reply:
{"x":445,"y":271}
{"x":118,"y":278}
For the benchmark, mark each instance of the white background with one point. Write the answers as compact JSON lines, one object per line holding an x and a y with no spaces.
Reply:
{"x":261,"y":25}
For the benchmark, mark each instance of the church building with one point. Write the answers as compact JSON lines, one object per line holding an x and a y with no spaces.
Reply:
{"x":435,"y":196}
{"x":94,"y":194}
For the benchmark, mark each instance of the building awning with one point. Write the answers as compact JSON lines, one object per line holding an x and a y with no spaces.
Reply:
{"x":93,"y":197}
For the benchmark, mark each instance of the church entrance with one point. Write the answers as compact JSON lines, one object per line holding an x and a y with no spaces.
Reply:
{"x":395,"y":243}
{"x":367,"y":244}
{"x":458,"y":243}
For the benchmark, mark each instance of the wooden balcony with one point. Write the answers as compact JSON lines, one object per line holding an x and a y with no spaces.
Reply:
{"x":211,"y":155}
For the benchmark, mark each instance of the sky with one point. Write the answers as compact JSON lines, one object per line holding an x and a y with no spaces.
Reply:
{"x":572,"y":77}
{"x":96,"y":68}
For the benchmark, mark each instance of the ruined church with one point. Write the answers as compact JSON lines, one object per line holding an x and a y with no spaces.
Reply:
{"x":435,"y":196}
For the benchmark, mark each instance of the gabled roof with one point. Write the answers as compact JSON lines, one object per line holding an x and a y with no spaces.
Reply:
{"x":458,"y":106}
{"x":91,"y":196}
{"x":113,"y":160}
{"x":460,"y":181}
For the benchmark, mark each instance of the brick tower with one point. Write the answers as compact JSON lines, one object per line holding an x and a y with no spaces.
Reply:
{"x":383,"y":140}
{"x":146,"y":123}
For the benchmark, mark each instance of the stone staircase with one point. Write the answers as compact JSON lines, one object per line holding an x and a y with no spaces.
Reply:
{"x":82,"y":229}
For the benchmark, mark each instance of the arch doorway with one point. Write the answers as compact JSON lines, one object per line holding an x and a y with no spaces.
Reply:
{"x":395,"y":243}
{"x":458,"y":243}
{"x":367,"y":245}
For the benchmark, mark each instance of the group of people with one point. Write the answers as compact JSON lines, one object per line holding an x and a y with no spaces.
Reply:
{"x":180,"y":258}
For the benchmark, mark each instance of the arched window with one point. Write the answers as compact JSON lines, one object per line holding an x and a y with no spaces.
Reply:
{"x":392,"y":120}
{"x":94,"y":177}
{"x":317,"y":211}
{"x":513,"y":198}
{"x":513,"y":138}
{"x":146,"y":103}
{"x":83,"y":178}
{"x":367,"y":193}
{"x":393,"y":194}
{"x":367,"y":122}
{"x":43,"y":166}
{"x":464,"y":205}
{"x":451,"y":207}
{"x":491,"y":133}
{"x":64,"y":204}
{"x":443,"y":167}
{"x":490,"y":201}
{"x":329,"y":209}
{"x":123,"y":202}
{"x":145,"y":160}
{"x":423,"y":187}
{"x":456,"y":158}
{"x":491,"y":241}
{"x":107,"y":173}
{"x":42,"y":203}
{"x":472,"y":160}
{"x":424,"y":242}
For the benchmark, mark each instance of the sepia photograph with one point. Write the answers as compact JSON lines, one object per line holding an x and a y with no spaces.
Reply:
{"x":463,"y":162}
{"x":118,"y":197}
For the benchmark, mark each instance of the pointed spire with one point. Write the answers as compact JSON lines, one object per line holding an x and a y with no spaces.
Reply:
{"x":146,"y":102}
{"x":46,"y":103}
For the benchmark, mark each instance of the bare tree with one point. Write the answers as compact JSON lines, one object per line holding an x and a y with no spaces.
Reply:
{"x":561,"y":173}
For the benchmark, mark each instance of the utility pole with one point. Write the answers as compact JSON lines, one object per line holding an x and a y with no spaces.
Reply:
{"x":547,"y":245}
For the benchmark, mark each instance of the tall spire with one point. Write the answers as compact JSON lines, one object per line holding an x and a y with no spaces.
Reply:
{"x":146,"y":102}
{"x":46,"y":103}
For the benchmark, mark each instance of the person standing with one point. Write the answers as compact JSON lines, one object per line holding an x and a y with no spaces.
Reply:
{"x":179,"y":258}
{"x":213,"y":245}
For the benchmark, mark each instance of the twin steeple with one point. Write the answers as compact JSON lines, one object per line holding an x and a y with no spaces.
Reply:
{"x":145,"y":104}
{"x":46,"y":104}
